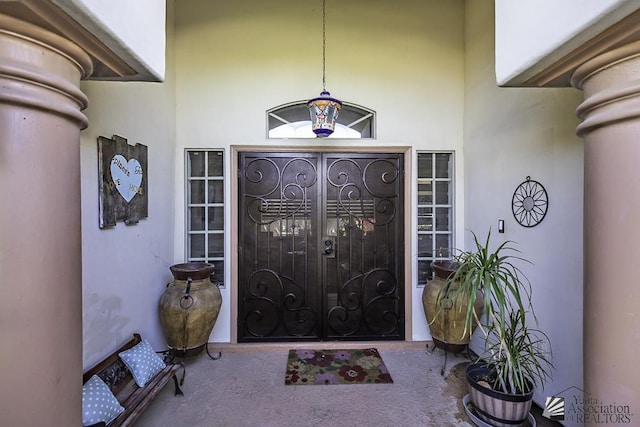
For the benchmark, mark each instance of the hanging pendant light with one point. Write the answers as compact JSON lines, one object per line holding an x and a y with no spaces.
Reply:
{"x":324,"y":109}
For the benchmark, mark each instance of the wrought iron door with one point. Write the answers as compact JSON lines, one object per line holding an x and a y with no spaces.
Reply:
{"x":320,"y":247}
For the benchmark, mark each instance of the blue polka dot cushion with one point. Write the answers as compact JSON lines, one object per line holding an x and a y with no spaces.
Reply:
{"x":98,"y":403}
{"x":143,"y":362}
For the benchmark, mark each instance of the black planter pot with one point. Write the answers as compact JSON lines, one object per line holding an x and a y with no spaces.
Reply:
{"x":495,"y":407}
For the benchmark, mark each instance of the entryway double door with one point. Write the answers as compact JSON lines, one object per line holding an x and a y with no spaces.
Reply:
{"x":321,"y":247}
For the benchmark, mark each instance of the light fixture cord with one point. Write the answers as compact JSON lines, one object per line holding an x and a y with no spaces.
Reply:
{"x":324,"y":45}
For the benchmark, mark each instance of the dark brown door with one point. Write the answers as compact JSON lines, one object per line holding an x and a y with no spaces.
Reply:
{"x":320,"y":247}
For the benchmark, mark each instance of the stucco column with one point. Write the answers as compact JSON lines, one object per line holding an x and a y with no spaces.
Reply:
{"x":611,"y":131}
{"x":40,"y":253}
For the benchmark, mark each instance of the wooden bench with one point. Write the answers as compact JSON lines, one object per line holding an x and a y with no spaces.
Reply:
{"x":134,"y":399}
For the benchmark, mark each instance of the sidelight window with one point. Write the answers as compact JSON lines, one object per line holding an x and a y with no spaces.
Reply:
{"x":205,"y":209}
{"x":435,"y":211}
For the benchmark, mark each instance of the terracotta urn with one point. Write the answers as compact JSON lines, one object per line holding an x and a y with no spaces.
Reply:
{"x":446,"y":317}
{"x":189,"y":307}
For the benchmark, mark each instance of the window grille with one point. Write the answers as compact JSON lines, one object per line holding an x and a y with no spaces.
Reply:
{"x":205,"y":216}
{"x":435,"y":211}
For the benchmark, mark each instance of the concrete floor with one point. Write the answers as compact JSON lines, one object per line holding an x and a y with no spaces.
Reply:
{"x":246,"y":388}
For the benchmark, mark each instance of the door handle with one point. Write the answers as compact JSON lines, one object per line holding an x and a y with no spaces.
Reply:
{"x":329,"y":250}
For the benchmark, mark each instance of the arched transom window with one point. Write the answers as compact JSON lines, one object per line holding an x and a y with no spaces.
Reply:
{"x":292,"y":121}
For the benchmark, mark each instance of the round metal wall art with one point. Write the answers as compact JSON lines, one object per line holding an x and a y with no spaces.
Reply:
{"x":529,"y":203}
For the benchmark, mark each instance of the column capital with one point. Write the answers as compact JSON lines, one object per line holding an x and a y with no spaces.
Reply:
{"x":611,"y":85}
{"x":42,"y":70}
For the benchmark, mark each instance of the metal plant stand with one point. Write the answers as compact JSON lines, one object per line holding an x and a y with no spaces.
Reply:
{"x":450,"y":348}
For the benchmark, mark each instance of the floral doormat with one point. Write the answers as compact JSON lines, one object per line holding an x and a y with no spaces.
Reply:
{"x":336,"y":367}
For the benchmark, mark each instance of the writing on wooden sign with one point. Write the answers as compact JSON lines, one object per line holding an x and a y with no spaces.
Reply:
{"x":122,"y":170}
{"x":126,"y":176}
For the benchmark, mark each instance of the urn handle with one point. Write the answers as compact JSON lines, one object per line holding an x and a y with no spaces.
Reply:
{"x":187,"y":300}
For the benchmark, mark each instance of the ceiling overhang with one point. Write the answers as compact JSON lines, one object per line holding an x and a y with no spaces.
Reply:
{"x":111,"y":59}
{"x":558,"y":72}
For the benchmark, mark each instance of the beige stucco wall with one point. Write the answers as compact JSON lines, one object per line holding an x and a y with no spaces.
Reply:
{"x":432,"y":86}
{"x":511,"y":133}
{"x":235,"y":60}
{"x":125,"y":268}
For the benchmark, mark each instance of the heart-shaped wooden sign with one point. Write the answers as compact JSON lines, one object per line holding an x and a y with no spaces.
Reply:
{"x":127,"y":176}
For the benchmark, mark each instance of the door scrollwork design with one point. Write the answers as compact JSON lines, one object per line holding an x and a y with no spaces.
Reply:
{"x":320,"y":239}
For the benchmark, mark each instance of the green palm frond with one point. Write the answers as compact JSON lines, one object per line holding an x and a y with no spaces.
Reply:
{"x":520,"y":355}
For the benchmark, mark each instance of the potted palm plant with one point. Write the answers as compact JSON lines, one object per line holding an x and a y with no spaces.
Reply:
{"x":516,"y":355}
